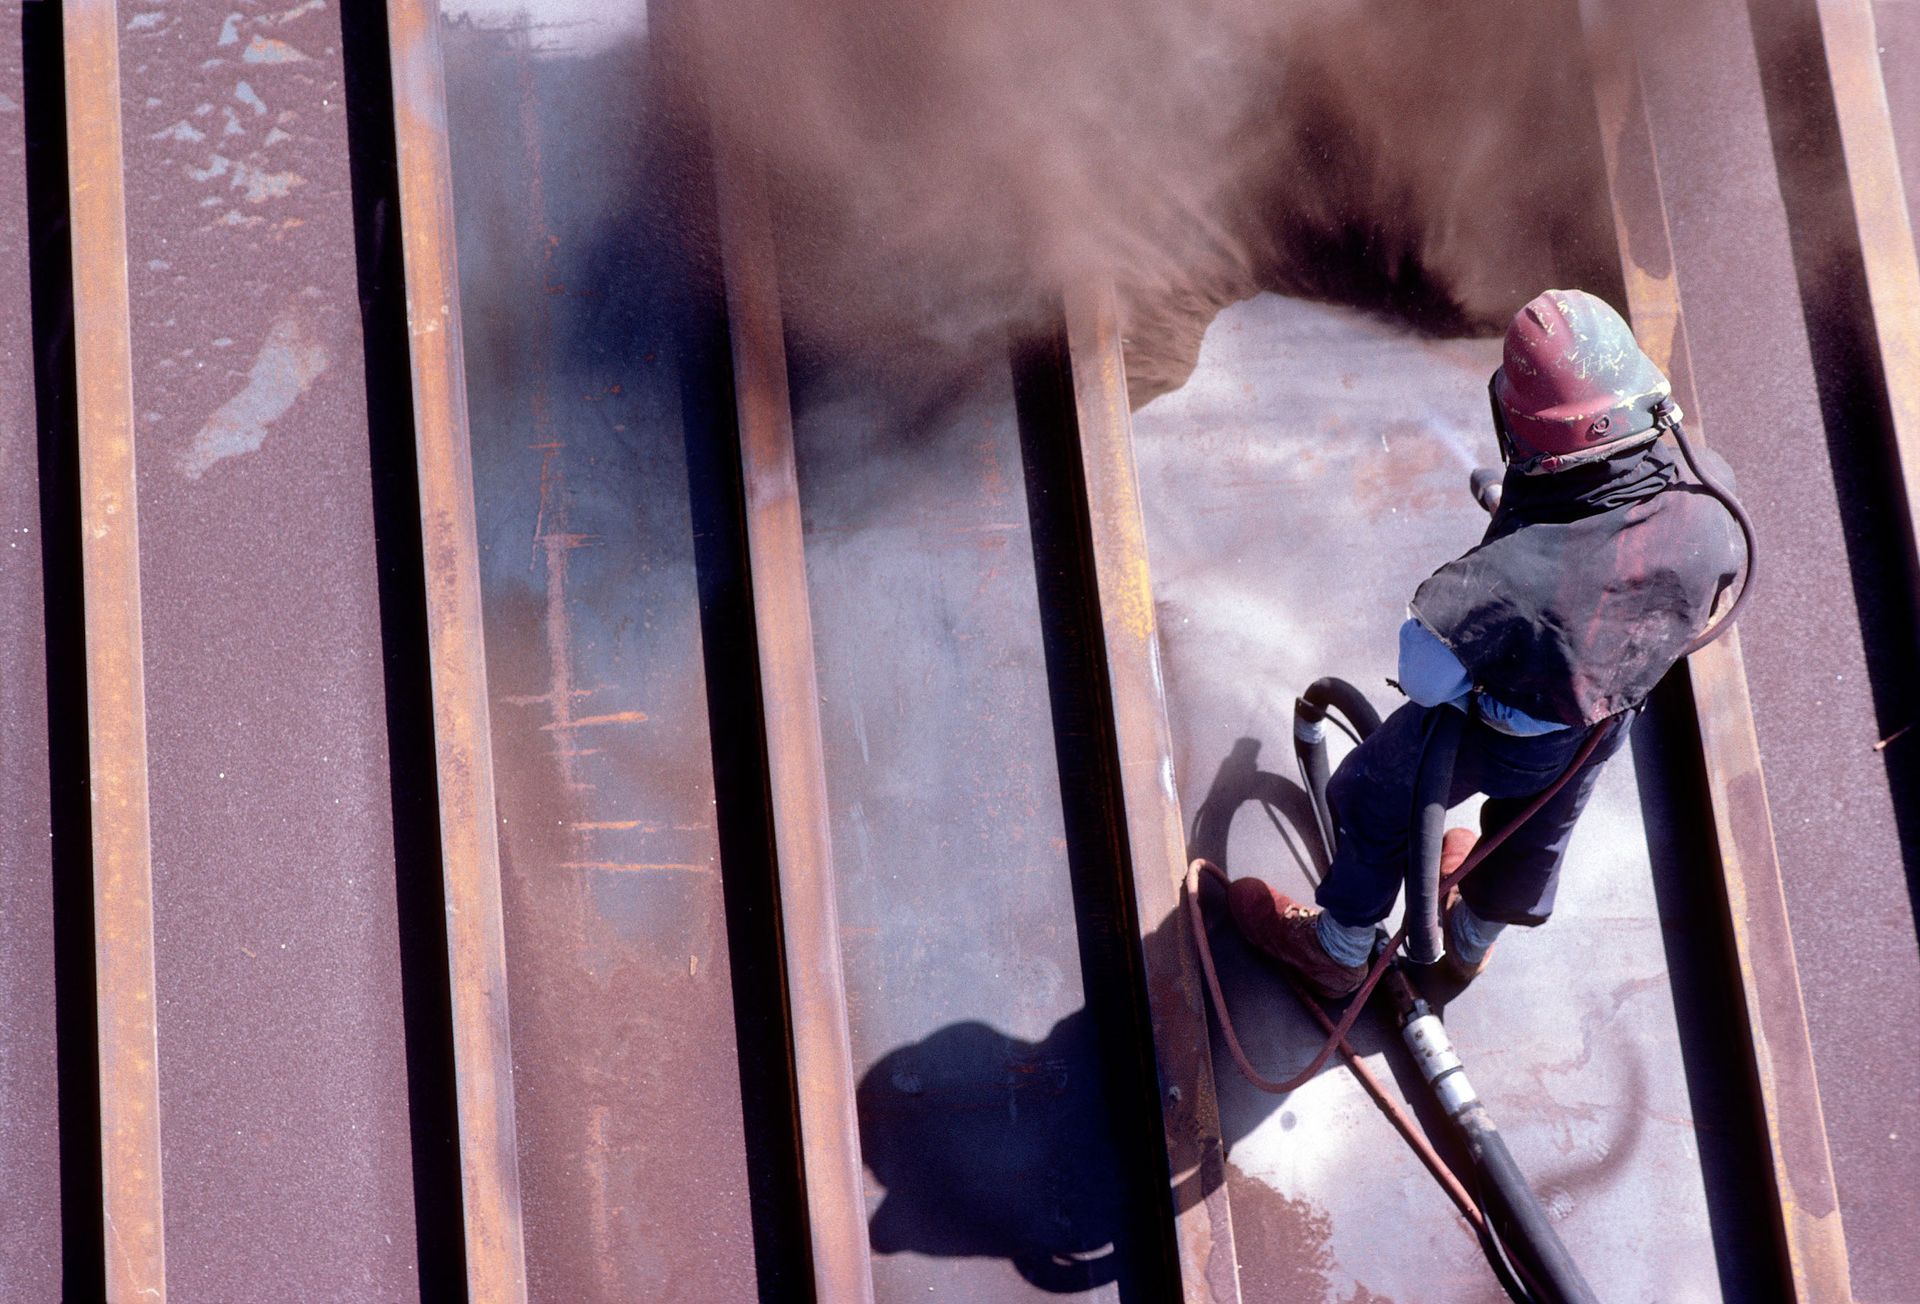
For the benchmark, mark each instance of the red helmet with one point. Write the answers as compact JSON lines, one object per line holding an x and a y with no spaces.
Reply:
{"x":1574,"y":385}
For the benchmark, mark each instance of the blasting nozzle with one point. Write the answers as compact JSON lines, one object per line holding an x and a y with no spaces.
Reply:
{"x":1485,"y":483}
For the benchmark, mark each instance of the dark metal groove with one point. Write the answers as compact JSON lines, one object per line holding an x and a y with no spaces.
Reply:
{"x":75,"y":1267}
{"x":420,"y":888}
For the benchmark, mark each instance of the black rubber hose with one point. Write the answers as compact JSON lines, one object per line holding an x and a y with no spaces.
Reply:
{"x":1310,"y":742}
{"x":1310,"y":750}
{"x":1346,"y":699}
{"x":1522,"y":1225}
{"x":1432,"y":785}
{"x":1732,"y":504}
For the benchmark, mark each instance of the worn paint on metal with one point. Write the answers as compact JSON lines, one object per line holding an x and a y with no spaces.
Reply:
{"x":1156,"y":837}
{"x":1809,"y":1224}
{"x":116,"y":677}
{"x":476,"y":944}
{"x":790,"y":690}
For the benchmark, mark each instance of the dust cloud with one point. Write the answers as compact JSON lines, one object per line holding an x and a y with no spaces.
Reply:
{"x":938,"y":165}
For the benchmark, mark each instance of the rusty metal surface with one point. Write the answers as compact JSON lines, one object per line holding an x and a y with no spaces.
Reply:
{"x":30,"y":1251}
{"x":1156,"y":836}
{"x":790,"y":688}
{"x":650,"y":1079}
{"x":1296,"y":490}
{"x":116,"y":678}
{"x":496,"y":1266}
{"x":1804,"y":1215}
{"x":282,"y":1082}
{"x":1781,"y":378}
{"x":1882,"y":225}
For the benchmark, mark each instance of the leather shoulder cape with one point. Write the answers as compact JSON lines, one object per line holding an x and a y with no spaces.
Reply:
{"x":1587,"y":585}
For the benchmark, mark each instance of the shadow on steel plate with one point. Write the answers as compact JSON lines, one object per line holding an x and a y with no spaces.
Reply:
{"x":985,"y":1153}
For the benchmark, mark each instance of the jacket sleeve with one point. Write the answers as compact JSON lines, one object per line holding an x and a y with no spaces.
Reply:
{"x":1429,"y":671}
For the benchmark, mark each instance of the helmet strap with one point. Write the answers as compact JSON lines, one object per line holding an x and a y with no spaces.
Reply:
{"x":1500,"y":430}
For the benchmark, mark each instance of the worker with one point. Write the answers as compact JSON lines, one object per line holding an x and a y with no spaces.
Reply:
{"x":1601,"y":564}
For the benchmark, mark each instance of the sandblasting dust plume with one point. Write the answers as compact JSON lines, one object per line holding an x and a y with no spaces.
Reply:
{"x":938,"y":166}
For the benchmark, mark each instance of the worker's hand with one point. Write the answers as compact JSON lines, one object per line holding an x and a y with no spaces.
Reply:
{"x":1454,"y":848}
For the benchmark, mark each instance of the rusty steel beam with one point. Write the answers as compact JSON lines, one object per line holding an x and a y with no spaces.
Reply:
{"x":116,"y":675}
{"x":796,"y":762}
{"x":476,"y":946}
{"x":1808,"y":1216}
{"x":1882,"y":226}
{"x":1154,"y":829}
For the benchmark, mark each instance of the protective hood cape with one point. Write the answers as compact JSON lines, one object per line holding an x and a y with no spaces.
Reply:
{"x":1587,"y":586}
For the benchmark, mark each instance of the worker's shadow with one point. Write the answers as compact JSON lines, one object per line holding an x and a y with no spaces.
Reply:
{"x":991,"y":1145}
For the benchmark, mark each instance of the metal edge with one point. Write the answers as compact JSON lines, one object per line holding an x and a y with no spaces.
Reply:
{"x":469,"y":837}
{"x":1809,"y":1223}
{"x":1882,"y":226}
{"x":796,"y":759}
{"x":1156,"y":838}
{"x":132,"y":1198}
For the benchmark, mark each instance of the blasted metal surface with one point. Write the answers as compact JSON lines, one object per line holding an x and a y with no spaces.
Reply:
{"x":1296,"y":491}
{"x":30,"y":1120}
{"x":282,"y":1064}
{"x":574,"y":310}
{"x":1823,"y":640}
{"x":986,"y":1116}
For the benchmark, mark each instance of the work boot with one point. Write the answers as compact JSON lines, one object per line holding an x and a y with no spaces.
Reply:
{"x":1284,"y":929}
{"x":1451,"y":964}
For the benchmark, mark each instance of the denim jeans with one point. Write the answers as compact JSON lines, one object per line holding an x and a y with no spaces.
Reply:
{"x":1371,"y":796}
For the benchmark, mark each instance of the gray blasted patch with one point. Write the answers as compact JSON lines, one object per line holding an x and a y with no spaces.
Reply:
{"x":1296,"y":490}
{"x":287,"y":365}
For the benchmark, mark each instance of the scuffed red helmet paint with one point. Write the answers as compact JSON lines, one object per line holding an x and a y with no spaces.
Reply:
{"x":1573,"y":382}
